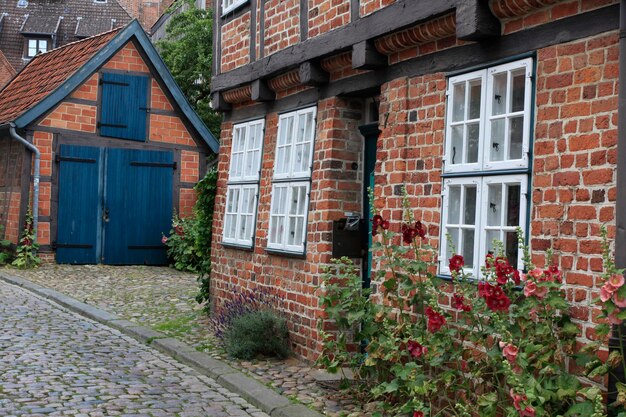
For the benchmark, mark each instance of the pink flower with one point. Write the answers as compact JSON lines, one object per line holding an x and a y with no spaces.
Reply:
{"x":532,"y":289}
{"x":619,"y":301}
{"x":164,"y":240}
{"x":616,"y":280}
{"x":509,"y":351}
{"x":536,"y":273}
{"x":613,"y":319}
{"x":606,"y":292}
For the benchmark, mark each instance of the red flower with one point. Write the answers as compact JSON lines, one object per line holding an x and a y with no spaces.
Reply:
{"x":435,"y":320}
{"x":503,"y":270}
{"x":179,"y":230}
{"x":420,"y":229}
{"x":458,"y":302}
{"x":456,"y":263}
{"x":416,"y":349}
{"x":378,"y":221}
{"x":418,"y":414}
{"x":494,"y":296}
{"x":410,"y":233}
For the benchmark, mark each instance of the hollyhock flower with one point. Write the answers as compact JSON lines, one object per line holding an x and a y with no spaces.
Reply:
{"x":619,"y":301}
{"x":532,"y":289}
{"x":418,"y":414}
{"x":495,"y":297}
{"x":516,"y":277}
{"x":509,"y":351}
{"x":527,"y":412}
{"x":616,"y":280}
{"x":458,"y":302}
{"x":613,"y":319}
{"x":179,"y":230}
{"x":408,"y":234}
{"x":420,"y":229}
{"x":416,"y":349}
{"x":456,"y":263}
{"x":435,"y":320}
{"x":553,"y":273}
{"x":606,"y":292}
{"x":164,"y":240}
{"x":517,"y":399}
{"x":535,"y":273}
{"x":378,"y":221}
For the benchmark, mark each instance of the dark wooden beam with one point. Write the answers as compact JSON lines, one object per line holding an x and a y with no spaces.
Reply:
{"x":475,"y":21}
{"x":253,"y":7}
{"x":262,"y":29}
{"x":449,"y":60}
{"x":218,"y":103}
{"x":312,"y":74}
{"x":217,"y":37}
{"x":366,"y":57}
{"x":401,"y":14}
{"x":261,"y":92}
{"x":354,"y":10}
{"x":620,"y":206}
{"x":304,"y":20}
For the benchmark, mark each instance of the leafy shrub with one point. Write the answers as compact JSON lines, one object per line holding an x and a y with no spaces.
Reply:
{"x":494,"y":350}
{"x":6,"y":252}
{"x":181,"y":244}
{"x":26,"y":253}
{"x":241,"y":302}
{"x":257,"y":332}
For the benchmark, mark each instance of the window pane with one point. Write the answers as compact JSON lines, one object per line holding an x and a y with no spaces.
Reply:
{"x":454,"y":205}
{"x":454,"y":237}
{"x":496,"y":148}
{"x":511,"y":249}
{"x":299,"y":236}
{"x":494,"y":205}
{"x":516,"y":133}
{"x":470,"y":205}
{"x":474,"y":99}
{"x":499,"y":93}
{"x":458,"y":102}
{"x":457,"y":144}
{"x":513,"y":205}
{"x":473,"y":131}
{"x":519,"y":84}
{"x":468,"y":248}
{"x":286,"y":128}
{"x":491,"y":236}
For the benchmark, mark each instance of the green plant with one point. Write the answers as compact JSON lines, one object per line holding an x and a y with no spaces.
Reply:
{"x":6,"y":252}
{"x":258,"y":332}
{"x":181,"y":242}
{"x":26,"y":253}
{"x":459,"y":347}
{"x":205,"y":190}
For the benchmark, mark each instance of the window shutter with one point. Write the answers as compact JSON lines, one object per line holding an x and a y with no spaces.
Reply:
{"x":124,"y":106}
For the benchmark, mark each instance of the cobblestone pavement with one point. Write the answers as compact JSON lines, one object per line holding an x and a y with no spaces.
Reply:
{"x":163,"y":298}
{"x":56,"y":363}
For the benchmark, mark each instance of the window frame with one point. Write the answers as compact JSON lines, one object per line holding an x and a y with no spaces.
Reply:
{"x":38,"y":41}
{"x":291,"y":178}
{"x":233,"y":6}
{"x":244,"y":182}
{"x":485,"y":172}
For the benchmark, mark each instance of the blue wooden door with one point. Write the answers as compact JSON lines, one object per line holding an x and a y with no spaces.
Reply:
{"x":124,"y":106}
{"x":78,"y":236}
{"x":138,"y":206}
{"x":370,"y":134}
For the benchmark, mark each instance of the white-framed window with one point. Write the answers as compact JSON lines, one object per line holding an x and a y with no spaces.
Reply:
{"x":486,"y":163}
{"x":292,"y":178}
{"x":36,"y":46}
{"x":230,"y":5}
{"x":243,"y":183}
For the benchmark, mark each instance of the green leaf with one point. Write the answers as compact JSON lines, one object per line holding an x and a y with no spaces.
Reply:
{"x":584,"y":409}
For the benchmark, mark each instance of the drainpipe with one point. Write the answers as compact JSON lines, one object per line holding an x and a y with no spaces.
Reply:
{"x":37,"y":154}
{"x":615,"y":342}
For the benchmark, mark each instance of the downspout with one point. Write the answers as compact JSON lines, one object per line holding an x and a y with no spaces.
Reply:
{"x":617,"y":343}
{"x":36,"y":175}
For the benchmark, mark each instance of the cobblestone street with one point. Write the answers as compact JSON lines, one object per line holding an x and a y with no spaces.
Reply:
{"x":56,"y":363}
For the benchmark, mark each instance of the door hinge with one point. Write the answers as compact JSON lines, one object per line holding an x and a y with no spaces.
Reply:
{"x":99,"y":125}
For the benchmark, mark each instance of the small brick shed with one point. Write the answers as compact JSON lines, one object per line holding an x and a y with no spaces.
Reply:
{"x":120,"y":150}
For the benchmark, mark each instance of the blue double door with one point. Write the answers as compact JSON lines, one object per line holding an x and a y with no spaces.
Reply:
{"x":114,"y":205}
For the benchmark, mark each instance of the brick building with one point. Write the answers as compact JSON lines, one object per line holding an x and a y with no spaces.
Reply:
{"x":120,"y":149}
{"x":493,"y":114}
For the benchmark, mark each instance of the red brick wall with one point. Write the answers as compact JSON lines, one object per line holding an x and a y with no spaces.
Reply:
{"x":573,"y":184}
{"x":367,"y":7}
{"x":335,"y":188}
{"x":282,"y":24}
{"x":69,"y":117}
{"x":235,"y":43}
{"x":325,"y":16}
{"x":11,"y":157}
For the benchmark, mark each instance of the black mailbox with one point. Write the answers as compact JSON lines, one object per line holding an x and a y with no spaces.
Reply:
{"x":349,"y":238}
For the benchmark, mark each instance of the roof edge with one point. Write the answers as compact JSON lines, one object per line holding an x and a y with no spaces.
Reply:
{"x":132,"y":30}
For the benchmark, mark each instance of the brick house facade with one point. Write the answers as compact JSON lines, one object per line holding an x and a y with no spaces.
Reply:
{"x":82,"y":113}
{"x":492,"y":114}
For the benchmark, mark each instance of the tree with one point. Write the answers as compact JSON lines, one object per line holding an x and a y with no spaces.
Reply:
{"x":187,"y":52}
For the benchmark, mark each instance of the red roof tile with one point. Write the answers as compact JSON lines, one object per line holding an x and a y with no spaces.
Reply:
{"x":45,"y":73}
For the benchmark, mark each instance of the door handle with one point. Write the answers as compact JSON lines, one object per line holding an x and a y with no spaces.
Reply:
{"x":105,"y":215}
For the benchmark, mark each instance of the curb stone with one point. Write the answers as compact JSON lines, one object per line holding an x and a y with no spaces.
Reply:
{"x":253,"y":391}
